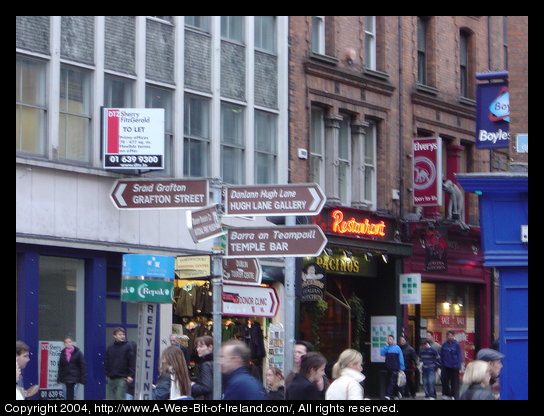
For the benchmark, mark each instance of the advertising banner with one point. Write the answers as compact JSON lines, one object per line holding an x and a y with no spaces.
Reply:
{"x":427,"y":171}
{"x":492,"y":115}
{"x":133,"y":138}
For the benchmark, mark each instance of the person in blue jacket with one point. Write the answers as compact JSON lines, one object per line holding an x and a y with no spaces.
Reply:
{"x":451,"y":359}
{"x":240,"y":385}
{"x":394,"y":362}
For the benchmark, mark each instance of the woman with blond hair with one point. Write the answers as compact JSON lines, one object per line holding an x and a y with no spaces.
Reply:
{"x":348,"y":377}
{"x":173,"y":382}
{"x":476,"y":379}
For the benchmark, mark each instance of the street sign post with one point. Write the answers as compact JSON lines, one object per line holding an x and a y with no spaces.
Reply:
{"x":278,"y":241}
{"x":245,"y":271}
{"x":160,"y":194}
{"x":291,"y":199}
{"x":204,"y":223}
{"x":250,"y":301}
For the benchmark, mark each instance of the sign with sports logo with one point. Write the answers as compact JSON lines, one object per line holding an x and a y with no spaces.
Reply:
{"x":427,"y":171}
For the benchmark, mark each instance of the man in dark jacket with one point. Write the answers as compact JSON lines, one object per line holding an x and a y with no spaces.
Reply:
{"x":240,"y":385}
{"x":119,"y":366}
{"x":411,"y":361}
{"x":451,"y":359}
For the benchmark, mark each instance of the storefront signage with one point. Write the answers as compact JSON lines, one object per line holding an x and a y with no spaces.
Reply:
{"x":160,"y":194}
{"x":192,"y":267}
{"x":452,"y":321}
{"x":133,"y":138}
{"x":380,"y":328}
{"x":242,"y":271}
{"x":148,"y":266}
{"x":492,"y":115}
{"x":349,"y":222}
{"x":292,"y":199}
{"x":48,"y":364}
{"x":250,"y":301}
{"x":147,"y":290}
{"x":204,"y":224}
{"x":427,"y":171}
{"x":313,"y":280}
{"x":278,"y":241}
{"x":340,"y":263}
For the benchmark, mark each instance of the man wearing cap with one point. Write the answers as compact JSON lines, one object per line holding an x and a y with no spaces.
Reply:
{"x":493,"y":357}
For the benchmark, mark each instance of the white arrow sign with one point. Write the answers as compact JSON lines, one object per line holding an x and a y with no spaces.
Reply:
{"x":250,"y":301}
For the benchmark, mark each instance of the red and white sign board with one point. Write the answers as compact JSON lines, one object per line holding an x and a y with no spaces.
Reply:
{"x":255,"y":301}
{"x":133,"y":138}
{"x":48,"y":364}
{"x":427,"y":171}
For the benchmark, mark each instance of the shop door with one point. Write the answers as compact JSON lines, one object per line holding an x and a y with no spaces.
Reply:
{"x":61,"y":313}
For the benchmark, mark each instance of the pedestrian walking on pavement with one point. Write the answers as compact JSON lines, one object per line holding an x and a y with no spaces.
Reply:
{"x":411,"y":361}
{"x":429,"y":365}
{"x":476,"y":379}
{"x":202,"y":388}
{"x":275,"y":388}
{"x":240,"y":385}
{"x":394,"y":362}
{"x":347,"y":372}
{"x":72,"y":368}
{"x":493,"y":357}
{"x":307,"y":384}
{"x":173,"y":382}
{"x":119,"y":366}
{"x":451,"y":360}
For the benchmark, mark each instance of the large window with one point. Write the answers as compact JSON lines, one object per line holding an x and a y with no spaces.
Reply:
{"x":30,"y":108}
{"x":265,"y":147}
{"x":232,"y":27}
{"x":162,"y":98}
{"x":317,"y":142}
{"x":370,"y":166}
{"x":75,"y":114}
{"x":344,"y":161}
{"x":196,"y":142}
{"x":421,"y":50}
{"x":265,"y":33}
{"x":232,"y":143}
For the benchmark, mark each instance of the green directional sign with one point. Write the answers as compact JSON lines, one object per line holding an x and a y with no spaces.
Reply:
{"x":155,"y":291}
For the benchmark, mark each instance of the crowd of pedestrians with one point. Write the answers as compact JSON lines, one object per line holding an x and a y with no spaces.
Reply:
{"x":307,"y":381}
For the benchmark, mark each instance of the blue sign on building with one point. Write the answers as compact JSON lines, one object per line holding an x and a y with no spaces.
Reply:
{"x":148,"y":266}
{"x":492,"y":115}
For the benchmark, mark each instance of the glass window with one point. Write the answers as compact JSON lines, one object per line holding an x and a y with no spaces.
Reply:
{"x":463,"y":64}
{"x":318,"y":34}
{"x":369,"y":193}
{"x":196,"y":136}
{"x":421,"y":51}
{"x":117,"y":92}
{"x":370,"y":42}
{"x":201,"y":22}
{"x":30,"y":107}
{"x":232,"y":143}
{"x":265,"y":33}
{"x":265,"y":147}
{"x":75,"y":114}
{"x":317,"y":141}
{"x":162,"y":98}
{"x":344,"y":161}
{"x":232,"y":27}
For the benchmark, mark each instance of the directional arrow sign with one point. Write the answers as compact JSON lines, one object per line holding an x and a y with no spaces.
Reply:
{"x":277,"y":241}
{"x":250,"y":301}
{"x":157,"y":194}
{"x":292,"y":199}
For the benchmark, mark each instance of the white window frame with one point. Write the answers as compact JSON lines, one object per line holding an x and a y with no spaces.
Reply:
{"x":317,"y":146}
{"x":318,"y":34}
{"x":370,"y":42}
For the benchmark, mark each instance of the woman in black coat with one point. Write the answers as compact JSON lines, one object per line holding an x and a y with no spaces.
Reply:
{"x":304,"y":385}
{"x":202,"y":388}
{"x":72,"y":368}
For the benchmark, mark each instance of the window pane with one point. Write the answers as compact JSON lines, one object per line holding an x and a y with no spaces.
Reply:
{"x":265,"y":132}
{"x":232,"y":27}
{"x":198,"y":21}
{"x":30,"y":129}
{"x":232,"y":124}
{"x":160,"y":98}
{"x":196,"y":117}
{"x":74,"y":91}
{"x":117,"y":93}
{"x":195,"y":158}
{"x":316,"y":142}
{"x":73,"y":137}
{"x":30,"y":82}
{"x":344,"y":139}
{"x":265,"y":33}
{"x":265,"y":168}
{"x":232,"y":165}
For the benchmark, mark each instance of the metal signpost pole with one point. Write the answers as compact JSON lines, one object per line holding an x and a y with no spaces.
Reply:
{"x":289,"y":311}
{"x":217,"y":293}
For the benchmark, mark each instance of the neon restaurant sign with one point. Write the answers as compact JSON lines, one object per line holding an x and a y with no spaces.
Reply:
{"x":355,"y":223}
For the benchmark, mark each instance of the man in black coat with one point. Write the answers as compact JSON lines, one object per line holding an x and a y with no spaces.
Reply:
{"x":119,"y":366}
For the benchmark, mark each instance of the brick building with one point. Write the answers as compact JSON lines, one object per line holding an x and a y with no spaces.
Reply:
{"x":360,"y":88}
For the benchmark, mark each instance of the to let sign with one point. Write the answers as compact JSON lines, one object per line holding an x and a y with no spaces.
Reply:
{"x":250,"y":301}
{"x":279,"y":241}
{"x":255,"y":200}
{"x":153,"y":194}
{"x":133,"y":138}
{"x":427,"y":171}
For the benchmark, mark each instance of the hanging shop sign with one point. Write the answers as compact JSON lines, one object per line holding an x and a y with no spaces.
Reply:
{"x":147,"y":278}
{"x":192,"y":267}
{"x":253,"y":301}
{"x":492,"y":115}
{"x":133,"y":138}
{"x":427,"y":171}
{"x":313,"y":280}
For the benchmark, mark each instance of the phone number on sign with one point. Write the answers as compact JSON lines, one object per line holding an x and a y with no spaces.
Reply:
{"x":133,"y":161}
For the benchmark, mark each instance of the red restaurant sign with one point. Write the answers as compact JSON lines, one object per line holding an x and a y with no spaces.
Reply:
{"x":427,"y":171}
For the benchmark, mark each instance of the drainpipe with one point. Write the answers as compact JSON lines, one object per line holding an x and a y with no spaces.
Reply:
{"x":401,"y":95}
